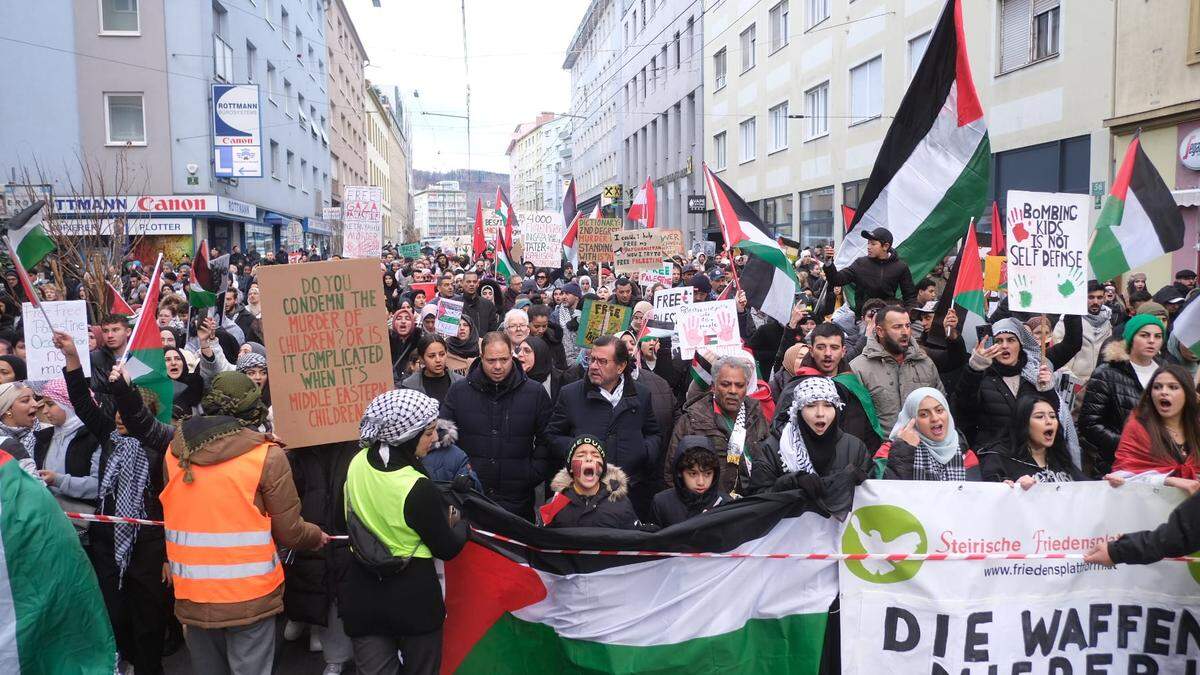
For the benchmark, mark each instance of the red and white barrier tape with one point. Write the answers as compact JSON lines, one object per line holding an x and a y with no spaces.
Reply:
{"x":890,"y":557}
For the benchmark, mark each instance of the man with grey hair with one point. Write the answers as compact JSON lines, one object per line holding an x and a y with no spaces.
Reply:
{"x":729,"y":418}
{"x":516,"y":326}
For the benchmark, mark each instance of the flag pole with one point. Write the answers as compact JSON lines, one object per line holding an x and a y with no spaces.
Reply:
{"x":24,"y":277}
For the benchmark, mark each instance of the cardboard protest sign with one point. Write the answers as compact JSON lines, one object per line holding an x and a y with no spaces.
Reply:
{"x":449,"y":312}
{"x":601,"y":318}
{"x":672,"y":242}
{"x":705,"y":324}
{"x":595,"y":239}
{"x":325,"y":329}
{"x":656,"y":275}
{"x":667,"y":303}
{"x":637,"y":250}
{"x":43,"y":360}
{"x":1047,"y":246}
{"x":1010,"y":616}
{"x":541,"y":232}
{"x":362,"y":222}
{"x":410,"y":250}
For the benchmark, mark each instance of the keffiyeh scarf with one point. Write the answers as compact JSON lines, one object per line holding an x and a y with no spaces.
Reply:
{"x":396,"y":416}
{"x":793,"y":452}
{"x":124,"y":482}
{"x":736,"y":450}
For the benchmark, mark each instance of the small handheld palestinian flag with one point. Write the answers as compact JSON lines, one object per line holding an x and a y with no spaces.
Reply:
{"x":1186,"y":327}
{"x":504,"y":263}
{"x":31,"y":295}
{"x":30,"y":243}
{"x":1140,"y":220}
{"x":202,"y":292}
{"x":504,"y":211}
{"x":968,"y":286}
{"x":143,"y":357}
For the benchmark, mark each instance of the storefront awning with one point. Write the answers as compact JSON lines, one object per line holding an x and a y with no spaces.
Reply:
{"x":1187,"y":197}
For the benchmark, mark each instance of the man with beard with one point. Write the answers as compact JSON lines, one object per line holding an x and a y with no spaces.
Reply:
{"x":481,"y":310}
{"x":1097,"y":330}
{"x":826,"y":359}
{"x":892,"y":366}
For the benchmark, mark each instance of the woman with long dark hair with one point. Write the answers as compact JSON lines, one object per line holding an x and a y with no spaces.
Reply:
{"x":432,"y":378}
{"x":1161,"y":440}
{"x":1035,"y":450}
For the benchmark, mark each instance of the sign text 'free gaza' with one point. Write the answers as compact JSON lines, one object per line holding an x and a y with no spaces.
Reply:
{"x":327,"y":347}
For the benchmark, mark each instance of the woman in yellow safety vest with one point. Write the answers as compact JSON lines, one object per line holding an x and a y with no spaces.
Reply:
{"x":390,"y":597}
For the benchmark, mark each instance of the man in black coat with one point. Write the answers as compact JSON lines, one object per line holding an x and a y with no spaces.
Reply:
{"x":610,"y":405}
{"x":501,"y":415}
{"x":878,"y":274}
{"x":481,"y":310}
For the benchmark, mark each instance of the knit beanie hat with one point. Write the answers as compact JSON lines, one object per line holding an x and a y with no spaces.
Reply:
{"x":235,"y":395}
{"x":1136,"y":323}
{"x":592,"y":441}
{"x":572,"y":288}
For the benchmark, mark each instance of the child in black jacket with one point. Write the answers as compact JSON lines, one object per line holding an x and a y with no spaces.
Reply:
{"x":696,"y":490}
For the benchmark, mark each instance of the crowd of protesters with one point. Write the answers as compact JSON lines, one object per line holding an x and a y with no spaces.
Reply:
{"x":620,"y":433}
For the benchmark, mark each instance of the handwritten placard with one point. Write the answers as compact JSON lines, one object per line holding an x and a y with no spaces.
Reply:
{"x":707,"y":324}
{"x":595,"y":239}
{"x":362,"y":222}
{"x":541,"y":232}
{"x":672,"y":242}
{"x":43,"y":360}
{"x":601,"y":318}
{"x":1047,"y":243}
{"x":637,"y":250}
{"x":324,"y":326}
{"x":667,"y":303}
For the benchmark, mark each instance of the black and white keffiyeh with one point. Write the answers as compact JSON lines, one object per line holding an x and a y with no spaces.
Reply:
{"x":397,"y":416}
{"x":124,"y":485}
{"x":927,"y":467}
{"x":793,"y":452}
{"x":251,"y":360}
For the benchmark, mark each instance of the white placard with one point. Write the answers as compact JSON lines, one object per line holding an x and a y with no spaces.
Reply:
{"x":541,"y":231}
{"x":43,"y":360}
{"x":667,"y":303}
{"x":707,"y":324}
{"x":449,"y":313}
{"x":1047,"y":252}
{"x":362,"y":222}
{"x":658,"y":275}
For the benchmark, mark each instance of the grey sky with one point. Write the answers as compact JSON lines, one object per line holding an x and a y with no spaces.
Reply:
{"x":516,"y":50}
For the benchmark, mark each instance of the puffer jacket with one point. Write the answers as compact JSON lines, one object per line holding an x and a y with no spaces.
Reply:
{"x":445,"y":461}
{"x":699,"y":419}
{"x":889,"y":381}
{"x":874,"y":278}
{"x":500,"y":427}
{"x":610,"y":507}
{"x":1111,"y":394}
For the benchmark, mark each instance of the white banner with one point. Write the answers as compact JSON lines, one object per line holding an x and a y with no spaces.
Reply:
{"x":707,"y":324}
{"x":1047,"y":251}
{"x":1012,"y":616}
{"x":667,"y":303}
{"x":362,"y":222}
{"x":541,"y":232}
{"x":43,"y":360}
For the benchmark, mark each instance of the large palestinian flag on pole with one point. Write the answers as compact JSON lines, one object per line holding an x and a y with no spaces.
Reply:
{"x":768,"y":278}
{"x":143,"y":356}
{"x":1140,"y":220}
{"x":931,"y":175}
{"x":52,"y":615}
{"x":510,"y":609}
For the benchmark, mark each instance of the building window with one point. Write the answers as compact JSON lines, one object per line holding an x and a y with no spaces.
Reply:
{"x":746,"y":147}
{"x":272,"y":83}
{"x":652,"y":76}
{"x":1028,"y":32}
{"x":748,"y":41}
{"x":818,"y":11}
{"x":251,"y":62}
{"x":125,"y":119}
{"x":866,"y":91}
{"x":304,"y":175}
{"x":291,"y":168}
{"x":274,"y":160}
{"x":777,"y":215}
{"x":678,"y":52}
{"x":852,"y":193}
{"x":1057,"y":166}
{"x":779,"y":26}
{"x":916,"y":51}
{"x":119,"y":16}
{"x":719,"y":69}
{"x":222,"y":59}
{"x":285,"y":23}
{"x":719,"y":151}
{"x":779,"y":127}
{"x":816,"y":217}
{"x":816,"y":110}
{"x":289,"y":104}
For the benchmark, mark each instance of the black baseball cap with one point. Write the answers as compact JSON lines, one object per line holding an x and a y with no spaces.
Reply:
{"x":1185,"y":274}
{"x":879,"y":234}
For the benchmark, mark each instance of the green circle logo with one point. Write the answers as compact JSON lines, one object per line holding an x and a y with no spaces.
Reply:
{"x":1194,"y":569}
{"x":883,"y":528}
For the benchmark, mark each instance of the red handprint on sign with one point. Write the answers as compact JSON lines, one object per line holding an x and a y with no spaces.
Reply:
{"x":691,"y":326}
{"x":725,"y":328}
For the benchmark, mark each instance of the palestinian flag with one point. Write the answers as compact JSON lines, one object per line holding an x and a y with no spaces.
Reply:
{"x":571,"y":217}
{"x":850,"y":381}
{"x":510,"y":609}
{"x":117,"y":304}
{"x":505,"y":265}
{"x":931,"y":175}
{"x":847,"y":217}
{"x":643,"y":208}
{"x":31,"y":295}
{"x":27,"y":236}
{"x":52,"y":615}
{"x":1140,"y":220}
{"x":768,"y":278}
{"x":143,"y":356}
{"x":701,"y":371}
{"x":202,"y":292}
{"x":1186,"y":327}
{"x":968,"y":285}
{"x":504,"y":211}
{"x":479,"y":242}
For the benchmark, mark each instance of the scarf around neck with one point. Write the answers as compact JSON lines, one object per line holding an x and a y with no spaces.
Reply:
{"x":124,"y":485}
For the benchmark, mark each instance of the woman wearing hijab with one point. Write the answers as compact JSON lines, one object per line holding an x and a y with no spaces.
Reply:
{"x":68,"y":455}
{"x":1035,"y":450}
{"x":254,"y":366}
{"x":810,"y":443}
{"x":390,"y":598}
{"x":924,"y":443}
{"x":189,"y":387}
{"x":128,"y":559}
{"x":463,"y":349}
{"x":12,"y":369}
{"x":534,"y":356}
{"x":254,"y":301}
{"x":432,"y":378}
{"x":404,"y":337}
{"x":391,"y":293}
{"x":18,"y":415}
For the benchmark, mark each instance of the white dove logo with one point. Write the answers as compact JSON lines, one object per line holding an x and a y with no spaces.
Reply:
{"x":875,"y":543}
{"x":885,"y":529}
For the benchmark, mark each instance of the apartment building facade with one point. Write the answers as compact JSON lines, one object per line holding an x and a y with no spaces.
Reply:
{"x":593,"y":60}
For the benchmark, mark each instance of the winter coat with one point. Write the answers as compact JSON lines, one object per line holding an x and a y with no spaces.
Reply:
{"x":310,"y":577}
{"x":1093,"y":339}
{"x":1111,"y":394}
{"x":1179,"y":536}
{"x":415,"y":382}
{"x":874,"y":278}
{"x":662,"y":399}
{"x":629,"y":432}
{"x":999,"y":462}
{"x":669,"y":506}
{"x":852,"y":419}
{"x":610,"y":507}
{"x":889,"y":381}
{"x":482,"y":312}
{"x":446,"y":461}
{"x":699,"y":419}
{"x":897,"y":459}
{"x":501,"y":427}
{"x":768,"y":473}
